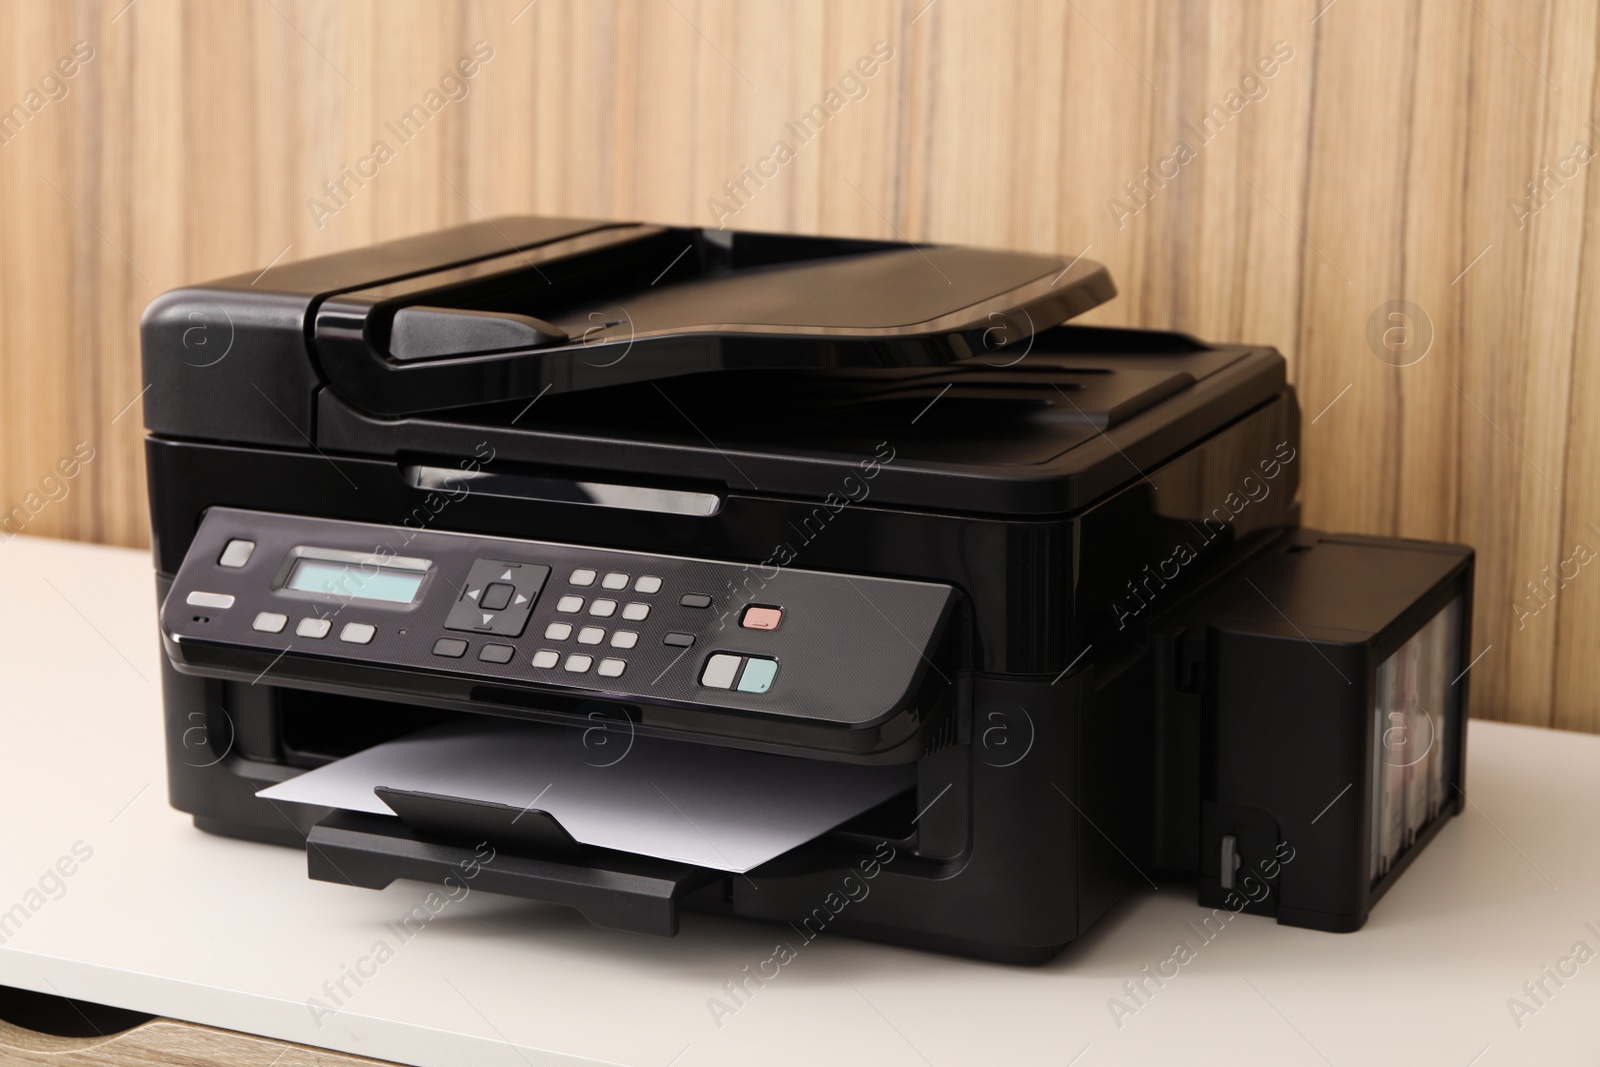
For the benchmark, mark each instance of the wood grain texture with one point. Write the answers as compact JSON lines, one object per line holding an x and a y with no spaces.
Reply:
{"x":163,"y":1043}
{"x":1381,"y":161}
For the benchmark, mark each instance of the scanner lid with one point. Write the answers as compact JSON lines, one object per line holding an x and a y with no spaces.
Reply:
{"x":585,"y":305}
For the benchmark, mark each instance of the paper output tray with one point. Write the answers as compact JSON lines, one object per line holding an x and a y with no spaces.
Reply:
{"x":436,"y":838}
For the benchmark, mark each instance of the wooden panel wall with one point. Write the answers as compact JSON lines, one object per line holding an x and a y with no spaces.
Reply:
{"x":1388,"y":156}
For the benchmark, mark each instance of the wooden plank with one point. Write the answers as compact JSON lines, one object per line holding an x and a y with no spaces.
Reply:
{"x":1576,"y":577}
{"x":1377,"y":165}
{"x":1508,"y":475}
{"x":163,"y":1043}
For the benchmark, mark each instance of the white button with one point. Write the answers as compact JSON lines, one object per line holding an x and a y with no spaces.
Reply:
{"x":545,"y":659}
{"x":624,"y":639}
{"x":603,"y":608}
{"x":612,"y":668}
{"x":237,"y":554}
{"x":591,"y":635}
{"x":357,"y":633}
{"x":582,"y":576}
{"x":313,"y":628}
{"x":648,"y":583}
{"x":719,"y":671}
{"x":615,"y":580}
{"x":210,"y":600}
{"x":558,"y":631}
{"x":578,"y":664}
{"x":270,"y":622}
{"x":636,"y":612}
{"x":570,"y":604}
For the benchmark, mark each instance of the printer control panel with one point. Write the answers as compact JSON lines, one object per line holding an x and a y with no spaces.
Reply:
{"x":304,"y":597}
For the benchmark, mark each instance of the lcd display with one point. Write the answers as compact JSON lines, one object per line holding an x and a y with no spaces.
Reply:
{"x":357,"y":581}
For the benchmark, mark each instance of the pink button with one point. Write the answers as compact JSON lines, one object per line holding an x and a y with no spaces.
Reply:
{"x":761,"y":618}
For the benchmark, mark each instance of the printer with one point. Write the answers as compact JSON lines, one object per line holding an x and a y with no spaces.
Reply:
{"x":996,"y":617}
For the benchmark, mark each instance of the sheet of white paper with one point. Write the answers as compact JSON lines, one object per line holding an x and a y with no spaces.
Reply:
{"x":714,"y":807}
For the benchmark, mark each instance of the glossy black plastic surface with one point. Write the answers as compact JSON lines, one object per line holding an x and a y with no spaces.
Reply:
{"x":854,"y":654}
{"x":1083,"y":494}
{"x":1292,"y":650}
{"x":611,"y":889}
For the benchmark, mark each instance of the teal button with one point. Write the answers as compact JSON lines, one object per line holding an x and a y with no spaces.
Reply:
{"x":758,"y":674}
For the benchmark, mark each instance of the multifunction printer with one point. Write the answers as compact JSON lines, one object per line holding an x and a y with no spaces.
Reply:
{"x":833,"y":583}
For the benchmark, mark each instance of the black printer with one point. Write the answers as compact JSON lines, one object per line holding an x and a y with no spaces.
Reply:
{"x":814,"y":503}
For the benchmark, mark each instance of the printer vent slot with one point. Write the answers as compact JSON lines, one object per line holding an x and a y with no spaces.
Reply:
{"x":893,"y":820}
{"x":702,"y":500}
{"x":579,"y":707}
{"x":317,"y":728}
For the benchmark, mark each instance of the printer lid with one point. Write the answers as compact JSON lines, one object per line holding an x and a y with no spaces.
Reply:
{"x":584,"y":305}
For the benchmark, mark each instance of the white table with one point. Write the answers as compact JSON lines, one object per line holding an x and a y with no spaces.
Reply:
{"x":168,"y":920}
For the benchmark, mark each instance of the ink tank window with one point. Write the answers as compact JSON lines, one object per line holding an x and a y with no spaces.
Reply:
{"x":1415,"y":725}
